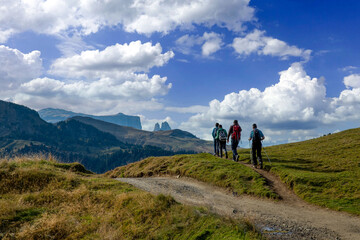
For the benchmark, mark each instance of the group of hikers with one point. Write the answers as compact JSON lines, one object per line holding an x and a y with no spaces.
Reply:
{"x":221,"y":137}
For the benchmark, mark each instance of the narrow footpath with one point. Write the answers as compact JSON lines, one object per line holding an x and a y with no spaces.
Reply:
{"x":288,"y":218}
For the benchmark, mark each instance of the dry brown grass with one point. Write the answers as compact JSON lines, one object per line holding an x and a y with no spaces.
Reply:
{"x":44,"y":199}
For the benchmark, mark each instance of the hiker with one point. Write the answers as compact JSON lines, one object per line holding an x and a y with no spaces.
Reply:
{"x":235,"y":133}
{"x":256,"y":136}
{"x":221,"y":135}
{"x":216,"y":142}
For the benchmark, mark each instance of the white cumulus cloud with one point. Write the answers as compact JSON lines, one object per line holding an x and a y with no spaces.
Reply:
{"x":112,"y":61}
{"x":352,"y":81}
{"x":295,"y":98}
{"x":347,"y":106}
{"x":110,"y":80}
{"x":293,"y":108}
{"x":213,"y":43}
{"x":257,"y":42}
{"x":141,"y":16}
{"x":210,"y":42}
{"x":136,"y":86}
{"x":17,"y":67}
{"x":163,"y":16}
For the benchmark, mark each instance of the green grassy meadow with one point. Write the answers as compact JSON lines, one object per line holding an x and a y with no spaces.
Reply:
{"x":44,"y":199}
{"x":324,"y":171}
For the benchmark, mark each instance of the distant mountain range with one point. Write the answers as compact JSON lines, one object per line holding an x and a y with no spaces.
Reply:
{"x":53,"y":115}
{"x":99,"y":145}
{"x":172,"y":140}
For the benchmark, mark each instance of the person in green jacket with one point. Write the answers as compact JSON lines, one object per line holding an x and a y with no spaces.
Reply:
{"x":221,"y":136}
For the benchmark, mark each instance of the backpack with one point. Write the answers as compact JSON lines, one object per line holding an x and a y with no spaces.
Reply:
{"x":256,"y":137}
{"x":222,"y":135}
{"x":236,"y":132}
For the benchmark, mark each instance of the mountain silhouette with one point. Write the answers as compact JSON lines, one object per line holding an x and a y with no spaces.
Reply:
{"x":165,"y":126}
{"x":157,"y":127}
{"x":56,"y":115}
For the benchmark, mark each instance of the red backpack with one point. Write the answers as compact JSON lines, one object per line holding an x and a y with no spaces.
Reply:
{"x":236,"y":132}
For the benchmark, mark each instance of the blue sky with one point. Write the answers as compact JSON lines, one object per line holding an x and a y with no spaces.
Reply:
{"x":293,"y":67}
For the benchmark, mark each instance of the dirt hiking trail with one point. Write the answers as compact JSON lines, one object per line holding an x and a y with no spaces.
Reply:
{"x":288,"y":218}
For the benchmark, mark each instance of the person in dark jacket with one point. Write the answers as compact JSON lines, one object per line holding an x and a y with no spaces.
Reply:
{"x":256,"y":136}
{"x":216,"y":142}
{"x":221,"y":136}
{"x":235,"y":133}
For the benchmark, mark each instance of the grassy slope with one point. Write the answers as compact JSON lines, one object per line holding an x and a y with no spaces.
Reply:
{"x":203,"y":167}
{"x":324,"y":171}
{"x":44,"y":199}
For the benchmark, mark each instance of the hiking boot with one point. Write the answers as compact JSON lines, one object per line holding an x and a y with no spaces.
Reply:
{"x":236,"y":158}
{"x":226,"y":155}
{"x":260,"y":163}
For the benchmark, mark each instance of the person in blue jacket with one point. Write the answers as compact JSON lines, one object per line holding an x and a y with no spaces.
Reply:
{"x":256,"y":136}
{"x":216,"y":141}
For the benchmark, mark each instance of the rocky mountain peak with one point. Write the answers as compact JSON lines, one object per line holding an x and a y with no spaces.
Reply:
{"x":164,"y":126}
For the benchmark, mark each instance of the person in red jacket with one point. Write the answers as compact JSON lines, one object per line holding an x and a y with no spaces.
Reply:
{"x":235,"y":133}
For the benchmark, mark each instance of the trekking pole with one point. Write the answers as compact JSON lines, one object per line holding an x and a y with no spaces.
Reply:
{"x":266,"y":153}
{"x":250,"y":152}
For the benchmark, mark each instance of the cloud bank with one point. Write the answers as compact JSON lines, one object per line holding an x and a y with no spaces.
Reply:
{"x":255,"y":42}
{"x":296,"y":103}
{"x":109,"y":80}
{"x":112,"y":62}
{"x":142,"y":16}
